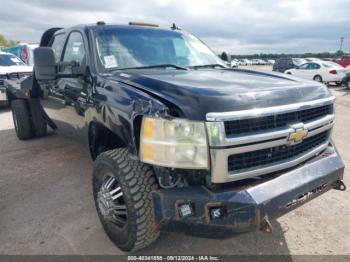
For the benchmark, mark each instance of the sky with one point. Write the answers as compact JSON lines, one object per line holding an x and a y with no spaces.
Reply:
{"x":234,"y":26}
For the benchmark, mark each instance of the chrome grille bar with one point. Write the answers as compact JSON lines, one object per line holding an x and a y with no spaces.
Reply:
{"x":259,"y":112}
{"x":221,"y":146}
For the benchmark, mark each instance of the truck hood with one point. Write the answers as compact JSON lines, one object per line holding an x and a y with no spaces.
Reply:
{"x":198,"y":92}
{"x":15,"y":69}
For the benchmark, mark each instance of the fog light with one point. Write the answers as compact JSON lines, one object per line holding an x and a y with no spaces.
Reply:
{"x":186,"y":210}
{"x":216,"y":213}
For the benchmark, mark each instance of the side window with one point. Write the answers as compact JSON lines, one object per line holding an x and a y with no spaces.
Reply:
{"x":57,"y":46}
{"x":316,"y":66}
{"x":75,"y":49}
{"x":304,"y":66}
{"x":313,"y":66}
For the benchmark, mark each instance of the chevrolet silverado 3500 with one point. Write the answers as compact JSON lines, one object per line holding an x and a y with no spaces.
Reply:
{"x":176,"y":136}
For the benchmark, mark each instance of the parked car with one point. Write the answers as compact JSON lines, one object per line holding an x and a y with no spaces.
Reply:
{"x":271,"y":61}
{"x":344,"y":61}
{"x":234,"y":63}
{"x":255,"y":61}
{"x":10,"y":67}
{"x":22,"y":50}
{"x":320,"y":71}
{"x":261,"y":62}
{"x":245,"y":62}
{"x":283,"y":64}
{"x":176,"y":138}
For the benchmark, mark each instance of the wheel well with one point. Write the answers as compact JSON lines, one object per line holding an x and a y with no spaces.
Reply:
{"x":102,"y":139}
{"x":317,"y":76}
{"x":137,"y":130}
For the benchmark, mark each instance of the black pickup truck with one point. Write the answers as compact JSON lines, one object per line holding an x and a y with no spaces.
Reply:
{"x":179,"y":139}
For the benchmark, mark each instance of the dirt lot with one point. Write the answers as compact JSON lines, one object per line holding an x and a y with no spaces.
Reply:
{"x":46,"y":205}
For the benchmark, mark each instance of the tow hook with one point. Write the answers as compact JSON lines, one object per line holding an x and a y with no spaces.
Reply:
{"x":339,"y":185}
{"x":266,"y":226}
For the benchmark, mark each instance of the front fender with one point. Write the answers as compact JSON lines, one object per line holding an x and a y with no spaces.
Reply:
{"x":120,"y":108}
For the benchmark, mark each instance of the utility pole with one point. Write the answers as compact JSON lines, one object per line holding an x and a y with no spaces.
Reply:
{"x":341,"y":43}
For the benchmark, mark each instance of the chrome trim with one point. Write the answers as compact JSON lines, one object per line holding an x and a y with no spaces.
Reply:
{"x":220,"y":172}
{"x":217,"y":138}
{"x":259,"y":112}
{"x":221,"y":146}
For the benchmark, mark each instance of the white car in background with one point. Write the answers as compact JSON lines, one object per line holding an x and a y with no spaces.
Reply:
{"x":320,"y":71}
{"x":255,"y":61}
{"x":234,"y":63}
{"x":245,"y":62}
{"x":11,"y":67}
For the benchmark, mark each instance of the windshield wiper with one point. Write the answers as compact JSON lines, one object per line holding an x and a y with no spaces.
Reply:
{"x":155,"y":66}
{"x":206,"y":66}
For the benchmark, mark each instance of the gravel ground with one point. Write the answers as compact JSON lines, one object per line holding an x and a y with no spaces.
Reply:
{"x":46,"y":205}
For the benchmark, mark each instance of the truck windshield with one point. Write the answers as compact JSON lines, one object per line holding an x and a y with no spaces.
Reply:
{"x":10,"y":60}
{"x":120,"y":48}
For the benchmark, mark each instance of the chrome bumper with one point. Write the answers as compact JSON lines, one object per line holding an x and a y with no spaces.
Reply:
{"x":221,"y":146}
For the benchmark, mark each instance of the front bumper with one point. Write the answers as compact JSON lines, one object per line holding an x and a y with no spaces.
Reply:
{"x":249,"y":207}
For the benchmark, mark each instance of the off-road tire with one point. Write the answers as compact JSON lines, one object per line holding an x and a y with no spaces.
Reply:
{"x":21,"y":119}
{"x":137,"y":181}
{"x":37,"y":117}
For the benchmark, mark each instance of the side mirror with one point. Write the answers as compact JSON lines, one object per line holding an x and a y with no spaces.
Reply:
{"x":45,"y":67}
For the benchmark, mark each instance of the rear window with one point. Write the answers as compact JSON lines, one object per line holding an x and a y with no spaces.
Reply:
{"x":282,"y":62}
{"x":299,"y":61}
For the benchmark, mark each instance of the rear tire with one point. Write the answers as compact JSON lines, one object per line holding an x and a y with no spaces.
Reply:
{"x":121,"y":184}
{"x":38,"y":120}
{"x":21,"y":119}
{"x":318,"y":78}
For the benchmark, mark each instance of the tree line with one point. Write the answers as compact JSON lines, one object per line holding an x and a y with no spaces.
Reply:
{"x":339,"y":53}
{"x":4,"y":42}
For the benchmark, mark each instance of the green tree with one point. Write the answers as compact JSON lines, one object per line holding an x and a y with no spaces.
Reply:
{"x":4,"y":42}
{"x":224,"y":56}
{"x":339,"y":53}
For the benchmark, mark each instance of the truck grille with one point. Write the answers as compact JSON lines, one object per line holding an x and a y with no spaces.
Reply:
{"x":269,"y":156}
{"x":237,"y":127}
{"x":255,"y":142}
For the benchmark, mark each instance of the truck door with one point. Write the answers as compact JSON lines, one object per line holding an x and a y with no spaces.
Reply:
{"x":67,"y":98}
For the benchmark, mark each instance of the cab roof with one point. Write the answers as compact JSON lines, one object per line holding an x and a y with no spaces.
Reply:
{"x":142,"y":25}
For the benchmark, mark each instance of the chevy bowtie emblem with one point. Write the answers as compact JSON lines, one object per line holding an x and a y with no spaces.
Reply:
{"x":298,"y":135}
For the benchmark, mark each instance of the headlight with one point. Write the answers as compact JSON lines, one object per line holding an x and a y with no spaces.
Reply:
{"x":174,"y":143}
